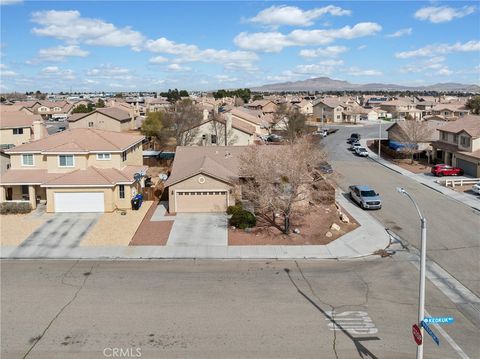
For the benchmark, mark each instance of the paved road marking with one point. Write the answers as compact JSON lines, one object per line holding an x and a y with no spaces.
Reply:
{"x":449,"y":339}
{"x":354,"y":322}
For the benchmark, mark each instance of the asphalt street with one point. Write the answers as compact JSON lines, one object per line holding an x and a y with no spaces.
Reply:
{"x":221,"y":309}
{"x":453,"y":229}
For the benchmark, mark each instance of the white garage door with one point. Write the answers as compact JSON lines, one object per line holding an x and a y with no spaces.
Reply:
{"x":79,"y":202}
{"x":204,"y":201}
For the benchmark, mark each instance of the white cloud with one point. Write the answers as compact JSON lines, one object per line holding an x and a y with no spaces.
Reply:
{"x":10,"y":2}
{"x":438,"y":14}
{"x":7,"y":73}
{"x":445,"y":71}
{"x":329,"y":51}
{"x":275,"y":16}
{"x":225,"y":78}
{"x":60,"y":52}
{"x":434,"y":63}
{"x":110,"y":72}
{"x":362,"y":47}
{"x":276,"y":41}
{"x":55,"y":71}
{"x":158,"y":60}
{"x":50,"y":70}
{"x":72,"y":28}
{"x":355,"y":71}
{"x":177,"y":67}
{"x":441,"y":49}
{"x":401,"y":32}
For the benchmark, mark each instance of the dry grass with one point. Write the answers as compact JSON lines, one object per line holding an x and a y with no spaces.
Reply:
{"x":15,"y":228}
{"x":113,"y":229}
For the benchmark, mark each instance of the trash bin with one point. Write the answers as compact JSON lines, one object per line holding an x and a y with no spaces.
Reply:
{"x":137,"y":202}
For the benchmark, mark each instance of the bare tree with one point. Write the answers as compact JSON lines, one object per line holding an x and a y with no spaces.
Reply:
{"x":291,"y":120}
{"x":411,"y":134}
{"x":218,"y":127}
{"x":183,"y":121}
{"x":279,"y":180}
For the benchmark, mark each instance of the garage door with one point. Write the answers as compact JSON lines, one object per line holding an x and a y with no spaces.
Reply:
{"x":79,"y":202}
{"x":469,"y":168}
{"x":205,"y":201}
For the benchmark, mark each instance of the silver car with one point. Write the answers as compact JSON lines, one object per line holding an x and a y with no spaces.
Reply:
{"x":365,"y":197}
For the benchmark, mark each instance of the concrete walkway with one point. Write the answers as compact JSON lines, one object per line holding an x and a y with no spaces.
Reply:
{"x":427,"y":180}
{"x":363,"y":241}
{"x":199,"y":229}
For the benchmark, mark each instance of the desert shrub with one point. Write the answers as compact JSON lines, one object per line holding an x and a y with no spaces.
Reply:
{"x":243,"y":219}
{"x":15,"y":207}
{"x":234,"y":209}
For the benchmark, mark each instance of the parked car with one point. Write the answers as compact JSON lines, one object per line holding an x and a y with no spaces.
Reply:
{"x":355,"y":145}
{"x":354,"y":137}
{"x":274,"y":138}
{"x":365,"y":197}
{"x":446,"y":170}
{"x":361,"y":151}
{"x":476,"y":188}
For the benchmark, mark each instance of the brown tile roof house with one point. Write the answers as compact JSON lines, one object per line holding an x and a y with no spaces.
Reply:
{"x":470,"y":124}
{"x":112,"y":112}
{"x":16,"y":119}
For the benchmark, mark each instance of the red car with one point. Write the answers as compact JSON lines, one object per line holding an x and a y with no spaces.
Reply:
{"x":446,"y":170}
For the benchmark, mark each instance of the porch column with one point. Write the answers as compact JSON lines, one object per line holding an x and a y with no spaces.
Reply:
{"x":3,"y":194}
{"x":32,"y":196}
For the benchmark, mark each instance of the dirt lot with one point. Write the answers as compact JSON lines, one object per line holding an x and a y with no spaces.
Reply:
{"x":15,"y":228}
{"x":313,"y":228}
{"x":152,"y":233}
{"x":114,"y":229}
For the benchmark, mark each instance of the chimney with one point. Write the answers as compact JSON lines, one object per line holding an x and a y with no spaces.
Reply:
{"x":205,"y":114}
{"x":38,"y":130}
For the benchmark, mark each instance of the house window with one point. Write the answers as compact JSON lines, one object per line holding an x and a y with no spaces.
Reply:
{"x":121,"y":191}
{"x":27,"y":160}
{"x":65,"y":161}
{"x":124,"y":156}
{"x":25,"y":194}
{"x":90,"y":124}
{"x":18,"y":131}
{"x":455,"y":138}
{"x":444,"y":136}
{"x":214,"y":139}
{"x":465,"y":141}
{"x":103,"y":156}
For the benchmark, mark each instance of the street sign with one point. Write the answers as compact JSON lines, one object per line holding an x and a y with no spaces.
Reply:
{"x":439,"y":320}
{"x":417,"y":334}
{"x":430,"y":332}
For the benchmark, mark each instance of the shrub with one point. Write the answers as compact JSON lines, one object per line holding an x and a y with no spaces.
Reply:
{"x":234,"y":209}
{"x":15,"y":207}
{"x":243,"y":219}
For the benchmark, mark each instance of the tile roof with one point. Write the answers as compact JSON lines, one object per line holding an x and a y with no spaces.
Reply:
{"x":14,"y":119}
{"x":469,"y":123}
{"x":81,"y":140}
{"x":27,"y":176}
{"x":115,"y":113}
{"x":248,"y":116}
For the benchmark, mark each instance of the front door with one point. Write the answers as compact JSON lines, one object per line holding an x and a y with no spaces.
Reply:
{"x":9,"y":194}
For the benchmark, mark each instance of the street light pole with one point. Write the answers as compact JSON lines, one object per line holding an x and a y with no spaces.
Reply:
{"x":423,"y":257}
{"x":379,"y":136}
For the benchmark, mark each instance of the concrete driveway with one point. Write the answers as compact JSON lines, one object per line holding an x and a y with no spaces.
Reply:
{"x":199,"y":229}
{"x":60,"y":233}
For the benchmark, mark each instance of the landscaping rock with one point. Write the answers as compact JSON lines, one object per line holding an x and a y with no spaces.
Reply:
{"x":335,"y":227}
{"x":296,"y":231}
{"x":344,"y":218}
{"x":328,"y":234}
{"x":248,"y":230}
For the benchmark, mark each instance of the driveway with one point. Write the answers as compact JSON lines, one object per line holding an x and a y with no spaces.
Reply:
{"x":199,"y":229}
{"x":60,"y":233}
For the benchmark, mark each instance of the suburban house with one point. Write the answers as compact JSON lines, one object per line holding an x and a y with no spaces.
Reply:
{"x":401,"y":109}
{"x":106,"y":118}
{"x":157,"y":104}
{"x":18,"y":127}
{"x":266,"y":106}
{"x":48,"y":109}
{"x":77,"y":170}
{"x":203,"y":179}
{"x":421,"y":133}
{"x":448,"y":112}
{"x":260,"y":122}
{"x":305,"y":107}
{"x":337,"y":110}
{"x":459,"y":144}
{"x":214,"y":131}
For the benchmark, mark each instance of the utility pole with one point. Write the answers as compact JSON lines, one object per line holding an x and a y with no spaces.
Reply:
{"x":379,"y":137}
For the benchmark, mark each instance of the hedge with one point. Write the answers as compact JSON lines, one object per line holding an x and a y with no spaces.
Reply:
{"x":243,"y":219}
{"x":15,"y":207}
{"x":234,"y":209}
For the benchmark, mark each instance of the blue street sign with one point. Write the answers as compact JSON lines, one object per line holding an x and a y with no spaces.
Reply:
{"x":430,"y":332}
{"x":439,"y":320}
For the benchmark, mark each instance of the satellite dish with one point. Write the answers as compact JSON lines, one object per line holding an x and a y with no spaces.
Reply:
{"x":163,"y":176}
{"x":137,"y":176}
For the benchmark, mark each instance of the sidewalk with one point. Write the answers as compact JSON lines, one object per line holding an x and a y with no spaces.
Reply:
{"x":428,"y":181}
{"x":363,"y":241}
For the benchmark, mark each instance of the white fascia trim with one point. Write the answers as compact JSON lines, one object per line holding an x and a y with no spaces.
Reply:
{"x":22,"y":152}
{"x":65,"y":153}
{"x":21,"y":184}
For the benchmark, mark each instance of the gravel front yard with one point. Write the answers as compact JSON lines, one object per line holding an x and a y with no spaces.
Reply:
{"x":113,"y":229}
{"x":15,"y":228}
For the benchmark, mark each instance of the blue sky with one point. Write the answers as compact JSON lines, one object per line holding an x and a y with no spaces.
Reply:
{"x":153,"y":45}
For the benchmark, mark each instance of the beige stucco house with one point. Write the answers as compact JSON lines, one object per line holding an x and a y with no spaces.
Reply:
{"x":107,"y":118}
{"x":18,"y":127}
{"x":77,"y":170}
{"x":459,"y":145}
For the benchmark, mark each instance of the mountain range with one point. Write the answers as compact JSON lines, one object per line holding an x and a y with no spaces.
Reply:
{"x":328,"y":84}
